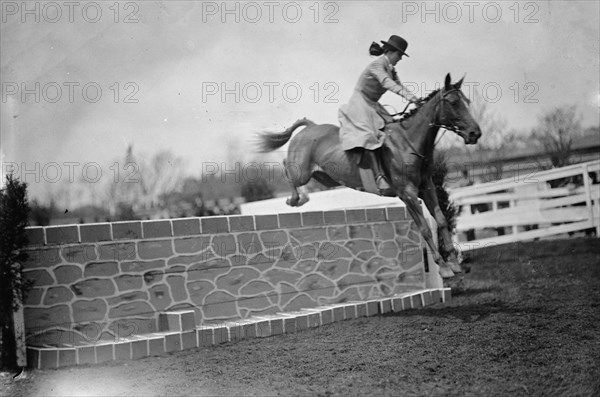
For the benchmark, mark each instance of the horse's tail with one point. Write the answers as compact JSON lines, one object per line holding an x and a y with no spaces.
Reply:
{"x":270,"y":141}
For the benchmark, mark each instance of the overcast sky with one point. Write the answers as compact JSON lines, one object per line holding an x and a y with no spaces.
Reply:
{"x":162,"y":68}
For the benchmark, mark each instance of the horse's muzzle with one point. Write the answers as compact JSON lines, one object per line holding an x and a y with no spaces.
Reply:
{"x":473,"y":136}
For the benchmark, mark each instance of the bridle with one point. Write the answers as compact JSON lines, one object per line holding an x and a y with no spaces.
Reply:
{"x":440,"y":103}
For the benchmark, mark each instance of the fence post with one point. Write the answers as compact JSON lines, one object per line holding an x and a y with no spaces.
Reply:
{"x":19,"y":324}
{"x":588,"y":193}
{"x":588,"y":200}
{"x":514,"y":228}
{"x":20,"y":344}
{"x":598,"y":219}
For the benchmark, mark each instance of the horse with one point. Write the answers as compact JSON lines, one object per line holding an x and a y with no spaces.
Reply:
{"x":406,"y":157}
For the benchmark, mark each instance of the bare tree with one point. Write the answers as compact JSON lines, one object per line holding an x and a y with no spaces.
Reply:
{"x":493,"y":125}
{"x":496,"y":135}
{"x":498,"y":140}
{"x":165,"y":175}
{"x":555,"y":131}
{"x":143,"y":183}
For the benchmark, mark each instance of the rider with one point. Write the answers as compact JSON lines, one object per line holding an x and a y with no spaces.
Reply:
{"x":363,"y":117}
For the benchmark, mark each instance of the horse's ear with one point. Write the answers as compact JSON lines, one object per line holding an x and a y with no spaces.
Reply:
{"x":460,"y":82}
{"x":447,"y":82}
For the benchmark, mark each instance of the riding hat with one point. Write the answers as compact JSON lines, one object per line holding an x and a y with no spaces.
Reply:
{"x":397,"y":43}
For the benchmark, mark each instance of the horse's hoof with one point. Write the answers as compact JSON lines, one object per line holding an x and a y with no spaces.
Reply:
{"x":446,"y":273}
{"x":454,"y":283}
{"x":388,"y":192}
{"x":291,"y":202}
{"x":456,"y":268}
{"x":303,"y":200}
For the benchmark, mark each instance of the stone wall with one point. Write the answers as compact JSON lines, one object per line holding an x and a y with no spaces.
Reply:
{"x":99,"y":281}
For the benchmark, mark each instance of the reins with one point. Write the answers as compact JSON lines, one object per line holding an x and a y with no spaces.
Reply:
{"x":402,"y":112}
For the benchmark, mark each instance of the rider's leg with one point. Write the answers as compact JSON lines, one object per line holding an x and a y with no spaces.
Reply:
{"x":375,"y":165}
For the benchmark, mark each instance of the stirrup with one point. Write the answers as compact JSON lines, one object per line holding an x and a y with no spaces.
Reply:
{"x":384,"y":188}
{"x":381,"y":182}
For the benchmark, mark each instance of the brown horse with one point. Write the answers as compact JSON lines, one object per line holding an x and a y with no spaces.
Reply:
{"x":407,"y":158}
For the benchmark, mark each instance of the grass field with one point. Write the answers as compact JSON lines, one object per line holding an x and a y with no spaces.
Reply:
{"x":525,"y":321}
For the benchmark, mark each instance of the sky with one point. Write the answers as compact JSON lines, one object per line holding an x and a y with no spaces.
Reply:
{"x":81,"y":82}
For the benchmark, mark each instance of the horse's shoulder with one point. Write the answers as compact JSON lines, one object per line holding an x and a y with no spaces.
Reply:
{"x":395,"y":126}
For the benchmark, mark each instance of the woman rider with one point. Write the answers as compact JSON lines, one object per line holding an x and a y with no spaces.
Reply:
{"x":363,"y":118}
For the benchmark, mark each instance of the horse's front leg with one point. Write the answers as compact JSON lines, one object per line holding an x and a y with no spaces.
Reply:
{"x":430,"y":198}
{"x":409,"y":196}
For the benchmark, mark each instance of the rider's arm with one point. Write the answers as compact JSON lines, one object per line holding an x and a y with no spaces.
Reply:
{"x":386,"y":80}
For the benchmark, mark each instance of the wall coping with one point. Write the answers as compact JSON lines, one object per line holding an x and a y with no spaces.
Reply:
{"x":173,"y":340}
{"x":193,"y":226}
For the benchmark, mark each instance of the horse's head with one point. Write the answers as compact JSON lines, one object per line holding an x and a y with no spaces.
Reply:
{"x":454,"y":113}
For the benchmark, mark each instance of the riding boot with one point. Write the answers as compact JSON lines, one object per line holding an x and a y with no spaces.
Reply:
{"x":382,"y":184}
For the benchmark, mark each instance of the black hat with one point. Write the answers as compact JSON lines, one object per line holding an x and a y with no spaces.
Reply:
{"x":398,"y":43}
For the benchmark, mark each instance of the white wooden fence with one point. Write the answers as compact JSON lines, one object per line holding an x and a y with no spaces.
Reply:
{"x":536,"y":205}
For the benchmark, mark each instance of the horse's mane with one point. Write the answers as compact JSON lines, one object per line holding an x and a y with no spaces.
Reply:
{"x":414,"y":110}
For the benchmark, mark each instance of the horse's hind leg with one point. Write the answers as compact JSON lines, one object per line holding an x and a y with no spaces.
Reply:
{"x":297,"y":175}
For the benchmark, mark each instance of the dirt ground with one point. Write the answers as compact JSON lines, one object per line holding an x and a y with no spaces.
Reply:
{"x":525,"y":322}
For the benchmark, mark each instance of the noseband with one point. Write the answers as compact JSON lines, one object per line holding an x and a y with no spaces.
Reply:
{"x":441,"y":101}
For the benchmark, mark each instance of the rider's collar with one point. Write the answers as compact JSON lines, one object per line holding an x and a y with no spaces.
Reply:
{"x":389,"y":63}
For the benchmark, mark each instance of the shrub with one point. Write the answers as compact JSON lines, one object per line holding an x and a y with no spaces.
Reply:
{"x":14,"y":213}
{"x":40,"y":214}
{"x":255,"y":190}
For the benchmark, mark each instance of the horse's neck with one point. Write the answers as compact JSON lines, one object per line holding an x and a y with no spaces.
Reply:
{"x":420,"y":131}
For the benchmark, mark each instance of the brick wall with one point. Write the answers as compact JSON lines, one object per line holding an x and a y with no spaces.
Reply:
{"x":96,"y":281}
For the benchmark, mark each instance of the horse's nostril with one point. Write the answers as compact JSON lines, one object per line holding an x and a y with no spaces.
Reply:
{"x":474,"y":136}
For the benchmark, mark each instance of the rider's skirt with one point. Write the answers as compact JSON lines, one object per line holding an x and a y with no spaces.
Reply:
{"x":361,"y":123}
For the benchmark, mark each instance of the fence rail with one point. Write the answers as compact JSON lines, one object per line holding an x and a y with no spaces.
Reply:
{"x":536,"y":205}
